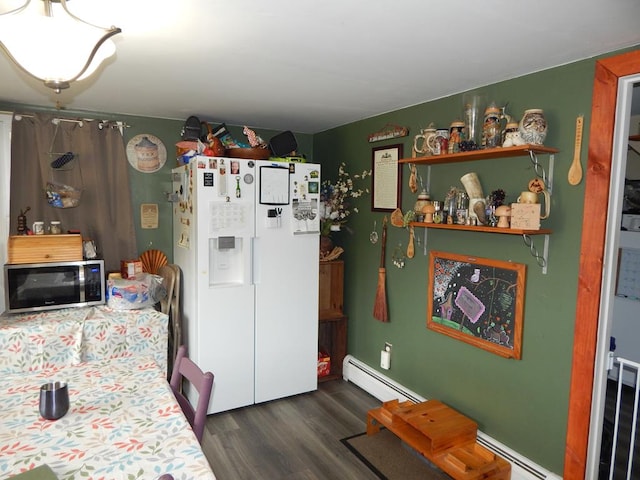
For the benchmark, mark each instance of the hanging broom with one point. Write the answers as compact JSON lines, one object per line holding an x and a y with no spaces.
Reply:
{"x":380,"y":307}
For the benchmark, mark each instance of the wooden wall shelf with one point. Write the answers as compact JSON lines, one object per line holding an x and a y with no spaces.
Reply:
{"x":482,"y":228}
{"x":486,"y":154}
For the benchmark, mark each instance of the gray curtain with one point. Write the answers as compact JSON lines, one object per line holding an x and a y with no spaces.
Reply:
{"x":99,"y":168}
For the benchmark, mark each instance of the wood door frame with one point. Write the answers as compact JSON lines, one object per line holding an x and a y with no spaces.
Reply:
{"x":592,"y":249}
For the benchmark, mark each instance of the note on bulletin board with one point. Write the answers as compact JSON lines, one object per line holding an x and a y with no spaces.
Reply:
{"x":628,"y":282}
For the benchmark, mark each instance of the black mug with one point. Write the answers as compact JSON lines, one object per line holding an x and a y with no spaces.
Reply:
{"x":54,"y":400}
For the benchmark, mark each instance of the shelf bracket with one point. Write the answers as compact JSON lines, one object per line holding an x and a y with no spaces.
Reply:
{"x":540,"y":171}
{"x":542,"y":260}
{"x":426,"y":252}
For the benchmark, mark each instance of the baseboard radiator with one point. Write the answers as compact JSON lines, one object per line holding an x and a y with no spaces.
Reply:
{"x":384,"y":389}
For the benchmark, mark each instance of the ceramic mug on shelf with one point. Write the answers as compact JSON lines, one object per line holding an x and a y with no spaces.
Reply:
{"x":528,"y":197}
{"x":38,"y":228}
{"x":532,"y":197}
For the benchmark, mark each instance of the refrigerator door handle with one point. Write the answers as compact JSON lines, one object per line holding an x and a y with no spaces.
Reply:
{"x":255,"y":254}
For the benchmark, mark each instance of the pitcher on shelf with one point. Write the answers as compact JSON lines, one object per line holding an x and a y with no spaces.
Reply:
{"x":424,"y":142}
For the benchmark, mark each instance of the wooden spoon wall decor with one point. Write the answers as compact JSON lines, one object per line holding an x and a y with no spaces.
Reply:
{"x":410,"y":247}
{"x":575,"y":171}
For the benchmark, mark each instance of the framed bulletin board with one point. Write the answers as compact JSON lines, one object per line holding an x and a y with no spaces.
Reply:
{"x":478,"y":301}
{"x":386,"y":180}
{"x":628,"y":280}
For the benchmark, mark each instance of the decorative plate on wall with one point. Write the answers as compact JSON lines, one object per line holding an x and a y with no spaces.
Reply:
{"x":146,"y":153}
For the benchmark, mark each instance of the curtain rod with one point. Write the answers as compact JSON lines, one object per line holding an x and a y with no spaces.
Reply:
{"x":103,"y":123}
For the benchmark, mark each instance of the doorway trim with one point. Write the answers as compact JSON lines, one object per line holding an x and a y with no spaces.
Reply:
{"x":592,"y":249}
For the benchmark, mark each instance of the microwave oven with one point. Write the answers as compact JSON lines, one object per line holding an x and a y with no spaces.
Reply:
{"x":32,"y":287}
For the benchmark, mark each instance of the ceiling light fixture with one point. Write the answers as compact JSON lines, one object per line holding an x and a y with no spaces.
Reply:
{"x":52,"y":45}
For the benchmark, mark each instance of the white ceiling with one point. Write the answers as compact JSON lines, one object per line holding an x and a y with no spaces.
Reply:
{"x":310,"y":66}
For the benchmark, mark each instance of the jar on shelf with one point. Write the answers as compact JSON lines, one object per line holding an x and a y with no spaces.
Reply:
{"x":55,"y":228}
{"x":423,"y":200}
{"x":441,"y":142}
{"x":437,"y":214}
{"x":462,"y":208}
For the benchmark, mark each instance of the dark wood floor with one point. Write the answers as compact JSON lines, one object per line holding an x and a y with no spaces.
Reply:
{"x":293,"y":438}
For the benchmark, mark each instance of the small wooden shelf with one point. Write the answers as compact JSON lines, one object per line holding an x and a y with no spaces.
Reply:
{"x":634,"y":138}
{"x":333,"y":334}
{"x":332,"y":322}
{"x":482,"y":228}
{"x":486,"y":154}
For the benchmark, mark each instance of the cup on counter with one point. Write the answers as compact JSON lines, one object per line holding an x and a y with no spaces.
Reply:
{"x":54,"y":400}
{"x":38,"y":228}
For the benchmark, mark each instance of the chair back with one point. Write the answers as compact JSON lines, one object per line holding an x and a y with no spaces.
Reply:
{"x":185,"y":368}
{"x":168,"y":275}
{"x":172,"y":306}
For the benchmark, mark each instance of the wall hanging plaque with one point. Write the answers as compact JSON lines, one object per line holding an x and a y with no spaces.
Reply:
{"x":386,"y":178}
{"x":387,"y":132}
{"x":146,"y":153}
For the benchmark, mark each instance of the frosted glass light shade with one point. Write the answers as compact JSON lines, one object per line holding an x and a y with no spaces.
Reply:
{"x":55,"y":49}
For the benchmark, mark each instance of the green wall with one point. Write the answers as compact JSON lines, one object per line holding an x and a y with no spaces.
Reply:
{"x":522,"y":403}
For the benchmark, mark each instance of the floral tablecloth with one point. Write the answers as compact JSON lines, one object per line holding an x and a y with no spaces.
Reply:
{"x":35,"y":341}
{"x":123,"y":423}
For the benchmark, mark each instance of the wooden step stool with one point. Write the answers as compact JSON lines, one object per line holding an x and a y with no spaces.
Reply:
{"x":442,"y":435}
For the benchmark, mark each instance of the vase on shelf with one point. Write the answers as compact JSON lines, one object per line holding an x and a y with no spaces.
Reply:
{"x":326,"y":245}
{"x":533,"y":126}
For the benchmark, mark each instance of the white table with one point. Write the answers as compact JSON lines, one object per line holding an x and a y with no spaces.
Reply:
{"x":35,"y":341}
{"x":123,"y":422}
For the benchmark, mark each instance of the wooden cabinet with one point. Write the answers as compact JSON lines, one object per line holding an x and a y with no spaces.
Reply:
{"x":332,"y":322}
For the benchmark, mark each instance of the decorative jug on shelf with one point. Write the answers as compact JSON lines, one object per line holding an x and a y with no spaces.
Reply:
{"x":491,"y":128}
{"x":424,"y":142}
{"x":533,"y":127}
{"x":456,"y":136}
{"x":423,"y":200}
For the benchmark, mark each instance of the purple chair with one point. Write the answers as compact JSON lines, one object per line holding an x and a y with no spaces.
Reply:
{"x":202,"y":382}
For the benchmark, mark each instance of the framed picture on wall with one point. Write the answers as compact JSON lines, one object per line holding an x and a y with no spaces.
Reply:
{"x":479,"y":301}
{"x":386,"y":180}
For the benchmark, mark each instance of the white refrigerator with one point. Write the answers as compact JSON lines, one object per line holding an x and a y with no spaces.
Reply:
{"x":246,"y":238}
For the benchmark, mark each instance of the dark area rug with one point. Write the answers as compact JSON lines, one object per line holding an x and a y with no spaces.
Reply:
{"x":391,"y":459}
